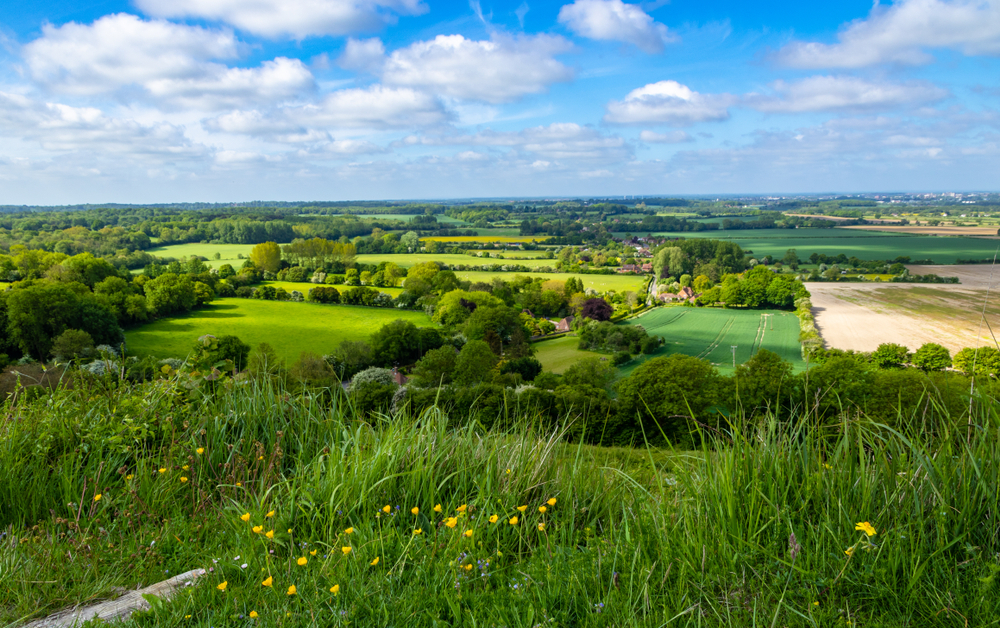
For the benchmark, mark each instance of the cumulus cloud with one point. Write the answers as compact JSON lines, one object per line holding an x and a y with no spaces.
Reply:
{"x":171,"y":63}
{"x":296,"y":18}
{"x":672,"y":137}
{"x":613,"y":20}
{"x":366,"y":55}
{"x":500,"y":70}
{"x":837,"y":93}
{"x":903,"y":32}
{"x":668,"y":102}
{"x":560,"y":141}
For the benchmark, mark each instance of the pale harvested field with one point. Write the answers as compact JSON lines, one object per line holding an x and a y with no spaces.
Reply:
{"x":971,"y":275}
{"x":941,"y":230}
{"x":863,"y":316}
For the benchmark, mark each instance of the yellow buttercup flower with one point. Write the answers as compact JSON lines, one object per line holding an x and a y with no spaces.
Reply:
{"x":414,"y":510}
{"x":163,"y":469}
{"x":268,"y":582}
{"x":270,"y":534}
{"x":522,"y":508}
{"x":541,"y":527}
{"x":270,"y":514}
{"x":183,"y":479}
{"x":302,"y":561}
{"x":185,"y":468}
{"x":312,"y":553}
{"x":289,"y":530}
{"x":462,"y":508}
{"x":513,"y":521}
{"x":418,"y":531}
{"x":245,"y":516}
{"x":542,"y":509}
{"x":468,"y":567}
{"x":291,"y":590}
{"x":335,"y":589}
{"x":346,"y":550}
{"x":374,"y":562}
{"x":258,"y":529}
{"x":199,"y":451}
{"x":468,"y":533}
{"x":493,"y":519}
{"x":387,"y":509}
{"x":222,"y":585}
{"x":254,"y":615}
{"x":849,"y":551}
{"x":128,"y":477}
{"x":865,"y":527}
{"x":239,"y":484}
{"x":551,"y":502}
{"x":98,"y":497}
{"x":451,"y":522}
{"x":349,"y":531}
{"x":437,"y":508}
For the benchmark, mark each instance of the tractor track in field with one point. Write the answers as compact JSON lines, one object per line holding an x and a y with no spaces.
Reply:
{"x":718,"y":338}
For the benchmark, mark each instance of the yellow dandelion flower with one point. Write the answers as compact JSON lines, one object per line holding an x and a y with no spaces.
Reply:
{"x":513,"y":521}
{"x":542,"y":509}
{"x":312,"y":553}
{"x":414,"y":511}
{"x":865,"y":527}
{"x":374,"y":562}
{"x":222,"y":585}
{"x":302,"y":561}
{"x":335,"y":589}
{"x":437,"y":508}
{"x":451,"y":522}
{"x":349,"y":531}
{"x":199,"y":451}
{"x":258,"y":529}
{"x":346,"y":550}
{"x":245,"y":516}
{"x":493,"y":519}
{"x":98,"y":497}
{"x":270,"y":534}
{"x":291,"y":590}
{"x":268,"y":582}
{"x":163,"y":469}
{"x":387,"y":509}
{"x":551,"y":502}
{"x":541,"y":527}
{"x":522,"y":508}
{"x":849,"y":551}
{"x":418,"y":531}
{"x":468,"y":567}
{"x":270,"y":514}
{"x":468,"y":533}
{"x":183,"y":479}
{"x":254,"y":615}
{"x":462,"y":508}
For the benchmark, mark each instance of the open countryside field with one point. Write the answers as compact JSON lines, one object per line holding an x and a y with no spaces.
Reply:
{"x":711,"y":334}
{"x":561,"y":353}
{"x":516,"y":253}
{"x":448,"y":258}
{"x":441,"y":218}
{"x":228,"y":252}
{"x":862,"y":316}
{"x":601,"y":283}
{"x":484,"y":237}
{"x":305,"y":287}
{"x":290,"y":328}
{"x":941,"y":230}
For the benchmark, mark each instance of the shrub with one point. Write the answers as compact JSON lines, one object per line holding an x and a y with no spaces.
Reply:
{"x":72,"y":343}
{"x":373,"y":375}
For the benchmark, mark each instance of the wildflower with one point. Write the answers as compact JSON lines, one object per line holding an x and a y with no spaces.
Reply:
{"x":849,"y":551}
{"x":239,"y":484}
{"x":387,"y":509}
{"x":187,"y":617}
{"x":414,"y":511}
{"x":245,"y":516}
{"x":268,"y":582}
{"x":258,"y":529}
{"x":163,"y":469}
{"x":418,"y":531}
{"x":289,"y":530}
{"x":222,"y":586}
{"x":254,"y":615}
{"x":98,"y":497}
{"x":183,"y":479}
{"x":374,"y":562}
{"x":468,"y":533}
{"x":260,"y":457}
{"x":185,"y":468}
{"x":865,"y":527}
{"x":437,"y":508}
{"x":128,"y":477}
{"x":493,"y":519}
{"x":199,"y":451}
{"x":302,"y":561}
{"x":349,"y":531}
{"x":312,"y":553}
{"x":522,"y":508}
{"x":270,"y":534}
{"x":451,"y":522}
{"x":291,"y":590}
{"x":542,"y":509}
{"x":335,"y":589}
{"x":541,"y":527}
{"x":346,"y":550}
{"x":508,"y":471}
{"x":551,"y":502}
{"x":270,"y":514}
{"x":827,"y":466}
{"x":468,"y":567}
{"x":462,"y":508}
{"x":513,"y":521}
{"x":815,"y":603}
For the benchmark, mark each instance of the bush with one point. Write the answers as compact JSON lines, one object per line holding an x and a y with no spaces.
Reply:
{"x":375,"y":375}
{"x":71,"y":344}
{"x":323,"y":294}
{"x":622,"y":357}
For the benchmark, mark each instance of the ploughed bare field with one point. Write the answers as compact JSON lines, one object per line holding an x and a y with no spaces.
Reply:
{"x":971,"y":275}
{"x":943,"y":230}
{"x":862,"y":316}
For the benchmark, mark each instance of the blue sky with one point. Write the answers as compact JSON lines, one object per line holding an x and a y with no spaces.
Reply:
{"x":214,"y":100}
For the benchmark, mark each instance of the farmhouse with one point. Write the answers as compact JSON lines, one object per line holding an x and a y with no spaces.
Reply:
{"x":684,"y":294}
{"x":565,"y":324}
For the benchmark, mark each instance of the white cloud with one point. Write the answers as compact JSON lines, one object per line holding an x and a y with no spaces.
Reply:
{"x":297,"y":18}
{"x":366,"y":55}
{"x":616,"y":21}
{"x":172,"y":64}
{"x":903,"y":32}
{"x":833,"y":93}
{"x":672,"y":137}
{"x":668,"y":102}
{"x":502,"y":69}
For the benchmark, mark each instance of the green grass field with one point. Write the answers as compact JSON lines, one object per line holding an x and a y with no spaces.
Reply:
{"x":227,"y":251}
{"x":711,"y":334}
{"x":601,"y":283}
{"x":305,"y":287}
{"x":513,"y":253}
{"x":441,"y":218}
{"x":561,"y":353}
{"x":290,"y":328}
{"x":484,"y":237}
{"x":447,"y":258}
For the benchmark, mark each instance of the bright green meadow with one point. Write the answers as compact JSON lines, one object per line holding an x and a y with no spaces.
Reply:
{"x":290,"y":328}
{"x":601,"y":283}
{"x":450,"y":259}
{"x":559,"y":354}
{"x":228,"y":252}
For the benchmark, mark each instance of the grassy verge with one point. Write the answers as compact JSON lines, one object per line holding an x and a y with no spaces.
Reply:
{"x":307,"y":514}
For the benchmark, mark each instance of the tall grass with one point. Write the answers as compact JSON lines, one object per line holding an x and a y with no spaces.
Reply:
{"x":752,"y":529}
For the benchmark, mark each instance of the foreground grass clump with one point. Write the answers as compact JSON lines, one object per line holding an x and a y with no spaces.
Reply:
{"x":306,"y":514}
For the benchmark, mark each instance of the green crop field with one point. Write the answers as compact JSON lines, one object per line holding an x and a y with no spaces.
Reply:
{"x":448,"y":258}
{"x":711,"y":334}
{"x":290,"y":328}
{"x":601,"y":283}
{"x":227,"y":251}
{"x":561,"y":353}
{"x":516,"y":253}
{"x":441,"y":218}
{"x":305,"y":287}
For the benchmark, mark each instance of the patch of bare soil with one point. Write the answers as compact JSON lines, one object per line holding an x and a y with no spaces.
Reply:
{"x":941,"y":230}
{"x":863,"y":316}
{"x":971,"y":275}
